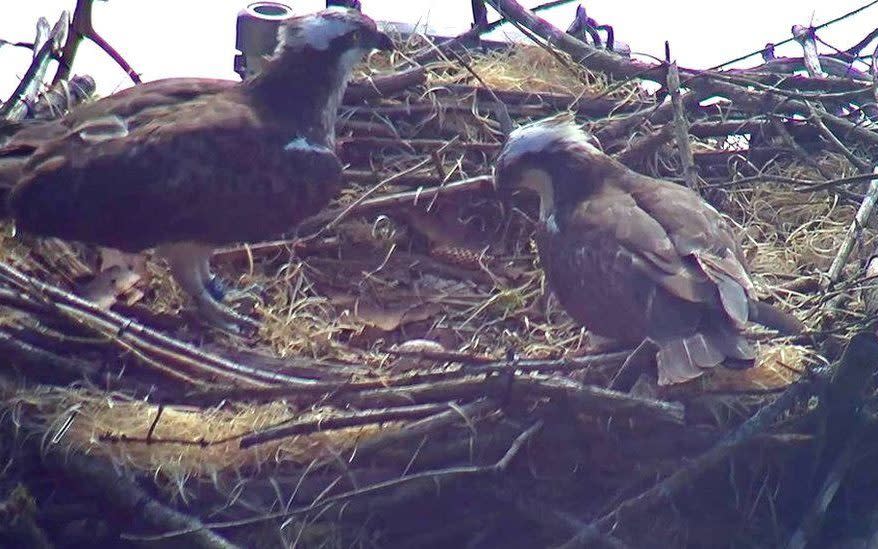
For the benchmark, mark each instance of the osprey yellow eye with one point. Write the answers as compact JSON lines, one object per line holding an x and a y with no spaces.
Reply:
{"x":356,"y":37}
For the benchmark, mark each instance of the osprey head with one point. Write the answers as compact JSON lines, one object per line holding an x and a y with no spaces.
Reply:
{"x":540,"y":157}
{"x":339,"y":30}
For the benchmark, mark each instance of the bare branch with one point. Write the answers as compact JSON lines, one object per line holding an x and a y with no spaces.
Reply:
{"x":853,"y":233}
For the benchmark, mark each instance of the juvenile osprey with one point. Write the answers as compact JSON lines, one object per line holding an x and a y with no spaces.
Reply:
{"x":189,"y":164}
{"x":635,"y":258}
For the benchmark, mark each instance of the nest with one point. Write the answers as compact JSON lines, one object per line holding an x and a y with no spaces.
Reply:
{"x":413,"y":382}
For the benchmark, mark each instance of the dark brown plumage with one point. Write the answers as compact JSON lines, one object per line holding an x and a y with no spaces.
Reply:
{"x":185,"y":164}
{"x":635,"y":258}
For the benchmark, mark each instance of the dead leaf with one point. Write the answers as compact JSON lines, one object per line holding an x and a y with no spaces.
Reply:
{"x":386,"y":317}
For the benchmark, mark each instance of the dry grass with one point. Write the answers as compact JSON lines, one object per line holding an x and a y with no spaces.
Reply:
{"x":98,"y":424}
{"x":533,"y":69}
{"x":789,"y":234}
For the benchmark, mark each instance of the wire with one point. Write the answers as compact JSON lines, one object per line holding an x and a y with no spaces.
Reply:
{"x":788,"y":40}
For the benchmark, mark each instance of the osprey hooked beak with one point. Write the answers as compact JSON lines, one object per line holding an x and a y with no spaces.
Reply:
{"x":526,"y":161}
{"x":512,"y":176}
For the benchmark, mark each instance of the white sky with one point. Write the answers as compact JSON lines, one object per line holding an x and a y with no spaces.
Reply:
{"x":162,"y":38}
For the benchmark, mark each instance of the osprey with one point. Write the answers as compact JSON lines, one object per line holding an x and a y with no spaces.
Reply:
{"x":188,"y":164}
{"x":634,"y":258}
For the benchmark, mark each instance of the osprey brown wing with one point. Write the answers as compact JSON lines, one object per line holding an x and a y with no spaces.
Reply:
{"x":616,"y":269}
{"x":611,"y":246}
{"x":701,"y":238}
{"x":142,"y":98}
{"x":213,"y":171}
{"x":137,"y":101}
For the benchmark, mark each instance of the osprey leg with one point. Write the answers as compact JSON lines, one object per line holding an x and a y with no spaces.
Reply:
{"x":190,"y":267}
{"x":212,"y":283}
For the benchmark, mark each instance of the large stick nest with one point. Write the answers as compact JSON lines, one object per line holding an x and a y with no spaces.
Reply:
{"x":414,"y":383}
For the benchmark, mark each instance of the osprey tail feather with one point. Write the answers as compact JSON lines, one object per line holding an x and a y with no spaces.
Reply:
{"x":685,"y":358}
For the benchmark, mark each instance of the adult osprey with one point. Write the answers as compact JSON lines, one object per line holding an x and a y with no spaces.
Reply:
{"x":634,"y":258}
{"x":188,"y":164}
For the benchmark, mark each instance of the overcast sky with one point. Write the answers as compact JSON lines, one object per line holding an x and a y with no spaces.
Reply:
{"x":163,"y":38}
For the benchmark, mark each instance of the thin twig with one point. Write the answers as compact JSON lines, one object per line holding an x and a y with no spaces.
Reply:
{"x":340,"y":421}
{"x":405,"y":198}
{"x":433,"y":477}
{"x":853,"y":233}
{"x":133,"y":336}
{"x":671,"y":485}
{"x":681,"y":129}
{"x":816,"y":113}
{"x":873,"y":69}
{"x":116,"y":492}
{"x":647,"y":145}
{"x":344,"y":213}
